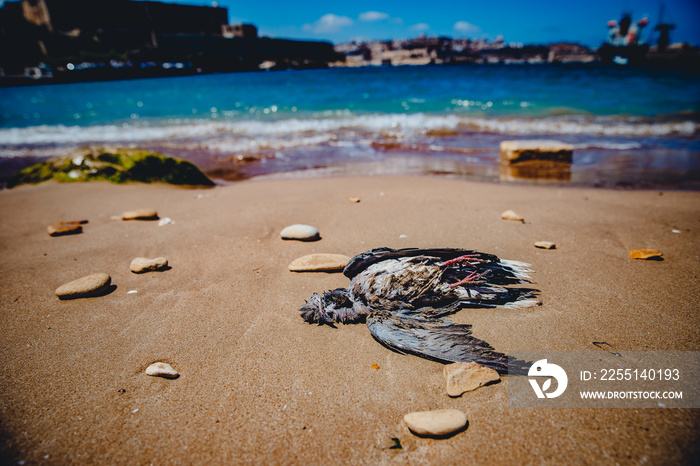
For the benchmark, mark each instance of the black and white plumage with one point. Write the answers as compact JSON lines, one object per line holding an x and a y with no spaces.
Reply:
{"x":405,"y":296}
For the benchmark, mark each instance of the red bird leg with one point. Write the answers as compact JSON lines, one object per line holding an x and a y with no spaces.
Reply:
{"x":468,"y":259}
{"x":466,"y":280}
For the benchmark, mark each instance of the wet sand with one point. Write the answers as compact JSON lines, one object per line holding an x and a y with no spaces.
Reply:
{"x":259,"y":385}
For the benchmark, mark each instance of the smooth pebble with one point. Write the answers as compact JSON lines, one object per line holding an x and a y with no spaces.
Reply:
{"x":140,"y":214}
{"x":143,"y":264}
{"x":300,"y":232}
{"x":510,"y":215}
{"x":436,"y":423}
{"x":319,"y":263}
{"x":464,"y":377}
{"x":84,"y":287}
{"x":545,"y":245}
{"x":162,"y":369}
{"x":354,"y":199}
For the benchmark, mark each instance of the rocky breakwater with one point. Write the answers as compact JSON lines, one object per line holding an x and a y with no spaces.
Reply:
{"x":113,"y":165}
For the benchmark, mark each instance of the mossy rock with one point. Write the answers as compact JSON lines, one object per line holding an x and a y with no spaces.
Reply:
{"x":116,"y":166}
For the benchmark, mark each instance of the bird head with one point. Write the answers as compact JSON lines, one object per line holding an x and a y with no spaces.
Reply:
{"x":333,"y":306}
{"x":314,"y":311}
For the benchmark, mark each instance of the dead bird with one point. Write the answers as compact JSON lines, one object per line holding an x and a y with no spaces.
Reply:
{"x":405,"y":296}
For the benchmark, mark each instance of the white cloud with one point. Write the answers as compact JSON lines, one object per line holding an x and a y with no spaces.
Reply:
{"x":373,"y":16}
{"x":465,"y":27}
{"x":328,"y":23}
{"x":420,"y":27}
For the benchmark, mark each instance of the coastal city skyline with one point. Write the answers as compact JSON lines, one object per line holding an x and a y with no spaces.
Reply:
{"x":519,"y":22}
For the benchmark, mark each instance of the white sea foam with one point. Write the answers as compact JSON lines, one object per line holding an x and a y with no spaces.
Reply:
{"x":284,"y":133}
{"x":596,"y":127}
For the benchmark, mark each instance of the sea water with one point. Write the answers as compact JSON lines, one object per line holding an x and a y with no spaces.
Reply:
{"x":627,"y":126}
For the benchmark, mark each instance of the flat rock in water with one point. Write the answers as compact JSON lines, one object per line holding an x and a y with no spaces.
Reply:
{"x":140,"y":214}
{"x":464,"y":377}
{"x":65,"y":228}
{"x":300,"y":232}
{"x":645,"y":254}
{"x":319,"y":263}
{"x":85,"y":287}
{"x":545,"y":245}
{"x":527,"y":150}
{"x":436,"y":423}
{"x":162,"y":369}
{"x":510,"y":215}
{"x":143,"y":264}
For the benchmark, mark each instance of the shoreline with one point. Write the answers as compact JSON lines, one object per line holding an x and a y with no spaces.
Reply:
{"x":603,"y":172}
{"x":257,"y":384}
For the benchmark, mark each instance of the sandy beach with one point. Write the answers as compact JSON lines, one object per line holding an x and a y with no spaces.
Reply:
{"x":259,"y":385}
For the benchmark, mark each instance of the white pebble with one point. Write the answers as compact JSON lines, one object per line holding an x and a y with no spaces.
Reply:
{"x":510,"y":215}
{"x":165,"y":221}
{"x":162,"y":369}
{"x":300,"y":232}
{"x":436,"y":423}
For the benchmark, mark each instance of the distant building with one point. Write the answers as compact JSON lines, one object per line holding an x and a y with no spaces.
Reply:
{"x":87,"y":16}
{"x":114,"y":39}
{"x":425,"y":50}
{"x":248,"y":31}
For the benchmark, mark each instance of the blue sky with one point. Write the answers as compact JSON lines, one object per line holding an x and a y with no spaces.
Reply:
{"x":526,"y":21}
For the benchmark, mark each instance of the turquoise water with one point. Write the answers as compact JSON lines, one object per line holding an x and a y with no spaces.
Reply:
{"x":433,"y":119}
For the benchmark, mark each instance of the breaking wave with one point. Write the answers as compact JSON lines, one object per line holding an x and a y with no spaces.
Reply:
{"x":358,"y":130}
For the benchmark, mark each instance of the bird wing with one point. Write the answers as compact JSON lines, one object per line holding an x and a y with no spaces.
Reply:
{"x":361,"y":261}
{"x":436,"y":339}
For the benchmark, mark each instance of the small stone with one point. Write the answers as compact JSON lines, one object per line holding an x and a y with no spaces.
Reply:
{"x":375,"y":367}
{"x":675,"y":231}
{"x":140,"y":214}
{"x":510,"y":215}
{"x":467,"y":376}
{"x":84,"y":287}
{"x":436,"y":423}
{"x":545,"y":245}
{"x":64,"y":228}
{"x":354,"y":199}
{"x":643,"y":254}
{"x":319,"y":263}
{"x":162,"y":369}
{"x":165,"y":221}
{"x":300,"y":232}
{"x":143,"y":264}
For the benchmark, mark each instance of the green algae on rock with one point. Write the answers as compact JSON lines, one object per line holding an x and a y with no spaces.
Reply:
{"x":114,"y":165}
